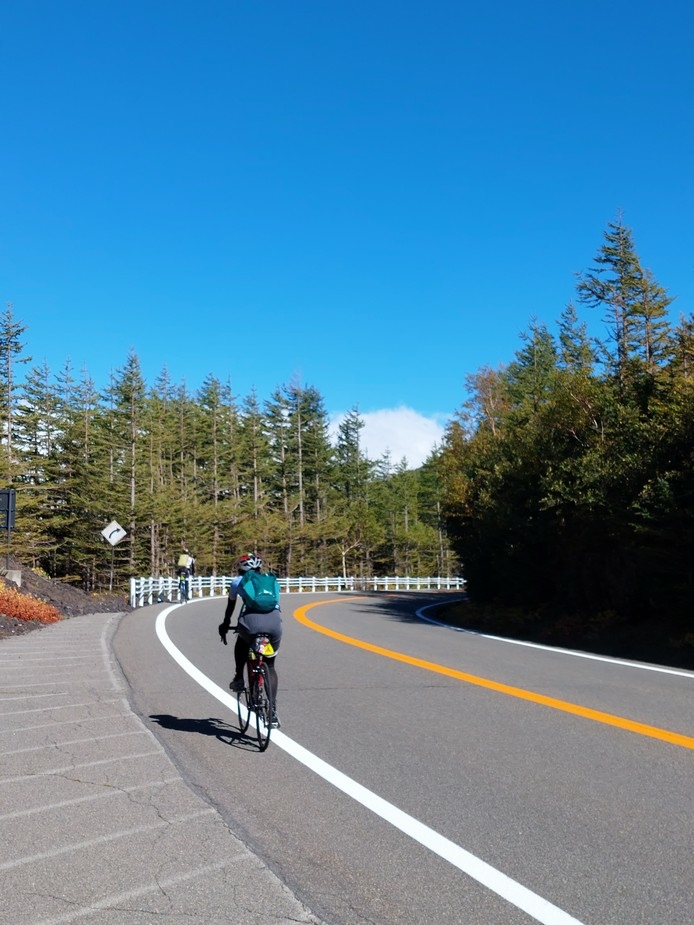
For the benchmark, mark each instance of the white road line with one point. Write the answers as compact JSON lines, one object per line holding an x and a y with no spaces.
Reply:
{"x":60,"y":706}
{"x":515,"y":893}
{"x":51,"y":659}
{"x":75,"y":767}
{"x":59,"y":745}
{"x":536,"y":645}
{"x":103,"y":839}
{"x":68,"y":722}
{"x":36,"y":696}
{"x":112,"y":792}
{"x":119,"y":899}
{"x":23,"y":687}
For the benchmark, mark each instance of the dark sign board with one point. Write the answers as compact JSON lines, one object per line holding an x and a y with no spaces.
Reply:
{"x":7,"y":508}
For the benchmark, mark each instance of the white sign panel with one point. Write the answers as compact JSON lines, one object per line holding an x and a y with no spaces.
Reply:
{"x":114,"y":533}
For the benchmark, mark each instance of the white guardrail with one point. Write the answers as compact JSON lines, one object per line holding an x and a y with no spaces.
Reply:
{"x":144,"y":591}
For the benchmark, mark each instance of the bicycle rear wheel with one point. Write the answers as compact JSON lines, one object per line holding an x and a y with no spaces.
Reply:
{"x":262,"y":704}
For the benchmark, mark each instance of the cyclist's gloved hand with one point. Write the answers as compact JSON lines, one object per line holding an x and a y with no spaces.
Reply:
{"x":223,"y":630}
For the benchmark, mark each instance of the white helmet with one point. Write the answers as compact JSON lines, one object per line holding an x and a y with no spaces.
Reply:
{"x":250,"y":562}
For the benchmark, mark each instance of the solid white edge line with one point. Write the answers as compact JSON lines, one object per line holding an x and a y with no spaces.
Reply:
{"x":536,"y":645}
{"x":515,"y":893}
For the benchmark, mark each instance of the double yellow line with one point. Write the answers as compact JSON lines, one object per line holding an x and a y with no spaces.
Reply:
{"x":653,"y":732}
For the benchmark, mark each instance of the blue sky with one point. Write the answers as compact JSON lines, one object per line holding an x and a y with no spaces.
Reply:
{"x":382,"y":194}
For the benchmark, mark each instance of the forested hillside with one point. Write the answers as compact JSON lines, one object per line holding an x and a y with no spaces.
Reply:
{"x":569,"y":474}
{"x":564,"y":487}
{"x":220,"y":475}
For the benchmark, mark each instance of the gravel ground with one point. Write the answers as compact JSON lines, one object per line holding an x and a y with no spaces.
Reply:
{"x":67,"y":600}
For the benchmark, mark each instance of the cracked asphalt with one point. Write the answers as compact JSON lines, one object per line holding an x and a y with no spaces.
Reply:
{"x":96,"y":823}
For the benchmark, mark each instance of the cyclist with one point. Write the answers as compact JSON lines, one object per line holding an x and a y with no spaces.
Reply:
{"x":185,"y":568}
{"x":249,"y":624}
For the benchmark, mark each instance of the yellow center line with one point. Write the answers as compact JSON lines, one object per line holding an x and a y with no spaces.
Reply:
{"x":609,"y":719}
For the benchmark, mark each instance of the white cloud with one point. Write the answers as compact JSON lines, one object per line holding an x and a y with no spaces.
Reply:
{"x":402,"y":431}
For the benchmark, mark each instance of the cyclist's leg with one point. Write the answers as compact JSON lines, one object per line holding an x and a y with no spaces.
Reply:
{"x":271,"y":625}
{"x":240,"y":658}
{"x":275,"y":634}
{"x":270,"y":662}
{"x":274,"y":631}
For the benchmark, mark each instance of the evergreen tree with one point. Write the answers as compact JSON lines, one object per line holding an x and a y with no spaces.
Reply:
{"x":37,"y":439}
{"x":360,"y":531}
{"x":255,"y":530}
{"x":576,"y":352}
{"x":11,"y":356}
{"x":124,"y":420}
{"x":530,"y":378}
{"x":217,"y":464}
{"x":86,"y":456}
{"x":634,"y":304}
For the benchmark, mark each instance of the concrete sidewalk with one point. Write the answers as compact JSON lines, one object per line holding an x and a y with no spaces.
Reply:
{"x":96,"y":824}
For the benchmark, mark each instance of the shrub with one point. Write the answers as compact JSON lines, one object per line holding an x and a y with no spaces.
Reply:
{"x":26,"y":607}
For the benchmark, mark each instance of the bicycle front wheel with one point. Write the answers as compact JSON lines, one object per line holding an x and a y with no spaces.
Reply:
{"x":262,"y":704}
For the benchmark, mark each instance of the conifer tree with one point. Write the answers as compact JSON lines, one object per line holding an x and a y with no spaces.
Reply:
{"x":353,"y":482}
{"x":634,"y":304}
{"x":126,"y":413}
{"x":37,"y":439}
{"x":256,"y":529}
{"x":11,"y":355}
{"x":576,"y":351}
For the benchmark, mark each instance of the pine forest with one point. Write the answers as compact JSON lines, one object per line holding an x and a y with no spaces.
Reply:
{"x":564,"y":484}
{"x":201,"y":471}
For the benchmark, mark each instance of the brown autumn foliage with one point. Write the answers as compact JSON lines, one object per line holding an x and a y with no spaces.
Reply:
{"x":26,"y":607}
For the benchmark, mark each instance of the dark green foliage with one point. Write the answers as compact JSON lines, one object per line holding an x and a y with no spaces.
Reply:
{"x":569,"y":487}
{"x":177,"y":469}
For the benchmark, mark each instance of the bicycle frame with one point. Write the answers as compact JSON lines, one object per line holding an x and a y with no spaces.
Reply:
{"x":183,"y":588}
{"x":256,"y":652}
{"x":260,"y":699}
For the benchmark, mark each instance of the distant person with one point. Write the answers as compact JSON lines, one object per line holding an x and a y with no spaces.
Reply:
{"x":251,"y":622}
{"x":185,"y":568}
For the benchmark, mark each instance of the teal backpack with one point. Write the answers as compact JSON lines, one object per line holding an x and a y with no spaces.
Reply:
{"x":259,"y":593}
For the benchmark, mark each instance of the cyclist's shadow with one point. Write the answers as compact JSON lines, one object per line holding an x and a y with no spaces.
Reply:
{"x":211,"y":726}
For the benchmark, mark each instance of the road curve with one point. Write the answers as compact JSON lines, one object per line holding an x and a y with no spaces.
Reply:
{"x":538,"y":772}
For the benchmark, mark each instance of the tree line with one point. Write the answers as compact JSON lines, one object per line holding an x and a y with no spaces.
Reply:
{"x":564,"y":485}
{"x":569,"y":473}
{"x":201,"y":470}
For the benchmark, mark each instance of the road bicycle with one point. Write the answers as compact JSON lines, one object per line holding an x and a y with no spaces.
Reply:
{"x":256,"y":697}
{"x":183,"y":590}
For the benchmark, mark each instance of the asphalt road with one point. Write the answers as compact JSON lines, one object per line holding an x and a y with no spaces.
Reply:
{"x":524,"y":785}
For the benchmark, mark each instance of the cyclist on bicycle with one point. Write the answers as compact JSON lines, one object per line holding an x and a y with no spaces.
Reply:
{"x":185,"y":568}
{"x":249,"y":625}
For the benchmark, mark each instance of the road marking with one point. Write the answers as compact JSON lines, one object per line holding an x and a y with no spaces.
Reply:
{"x":513,"y":892}
{"x":56,"y":746}
{"x":609,"y":719}
{"x":92,"y":797}
{"x":640,"y":666}
{"x":68,"y":722}
{"x":59,"y":706}
{"x":117,"y":900}
{"x":85,"y":764}
{"x":102,"y":840}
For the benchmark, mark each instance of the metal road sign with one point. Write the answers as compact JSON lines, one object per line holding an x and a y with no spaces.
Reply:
{"x":113,"y":533}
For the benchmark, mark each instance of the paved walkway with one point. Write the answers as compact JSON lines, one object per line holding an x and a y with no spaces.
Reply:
{"x":96,"y":824}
